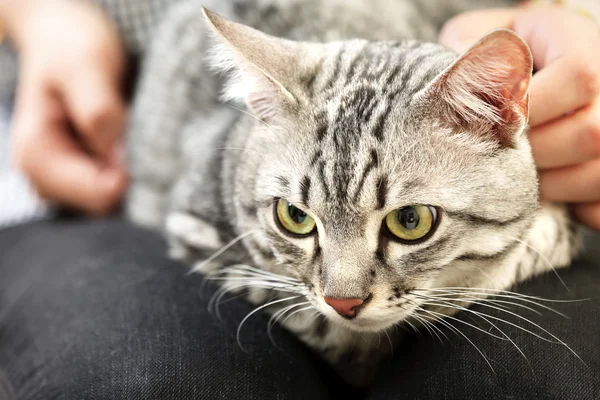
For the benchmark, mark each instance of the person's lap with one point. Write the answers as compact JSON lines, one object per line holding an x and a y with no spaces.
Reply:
{"x":427,"y":368}
{"x":96,"y":310}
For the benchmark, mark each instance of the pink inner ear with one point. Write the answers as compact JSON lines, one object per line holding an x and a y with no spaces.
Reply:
{"x":488,"y":85}
{"x":520,"y":94}
{"x":262,"y":105}
{"x":264,"y":95}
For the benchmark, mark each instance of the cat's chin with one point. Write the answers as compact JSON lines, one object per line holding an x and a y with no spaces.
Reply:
{"x":367,"y":324}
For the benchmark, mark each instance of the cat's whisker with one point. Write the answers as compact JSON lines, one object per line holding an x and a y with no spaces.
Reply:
{"x":244,"y":273}
{"x":428,"y":325}
{"x":464,"y":322}
{"x":390,"y":342}
{"x":216,"y":299}
{"x":250,"y":115}
{"x":239,"y":330}
{"x":219,"y":302}
{"x":424,"y":319}
{"x":542,"y":256}
{"x":434,"y":326}
{"x":484,"y":302}
{"x":314,"y":316}
{"x":482,"y":315}
{"x":414,"y":328}
{"x":269,"y":281}
{"x":298,"y":311}
{"x":201,"y":265}
{"x":276,"y":316}
{"x":250,"y":269}
{"x":498,"y":292}
{"x":512,"y":296}
{"x":275,"y":282}
{"x":421,"y":321}
{"x":238,"y":269}
{"x":456,"y":330}
{"x":506,"y":337}
{"x":441,"y":315}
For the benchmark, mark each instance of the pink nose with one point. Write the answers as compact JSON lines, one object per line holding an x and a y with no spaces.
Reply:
{"x":344,"y":307}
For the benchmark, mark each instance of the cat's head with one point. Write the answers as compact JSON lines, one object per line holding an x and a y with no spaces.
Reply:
{"x":380,"y":169}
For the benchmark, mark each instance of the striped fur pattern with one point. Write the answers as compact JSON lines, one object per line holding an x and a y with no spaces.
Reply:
{"x":349,"y":130}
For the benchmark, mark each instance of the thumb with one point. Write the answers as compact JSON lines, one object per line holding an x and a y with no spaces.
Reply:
{"x":464,"y":30}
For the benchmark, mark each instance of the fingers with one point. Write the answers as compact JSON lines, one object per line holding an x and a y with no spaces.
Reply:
{"x":578,"y":183}
{"x":562,"y":87}
{"x":567,"y":141}
{"x":97,"y":109}
{"x":59,"y":169}
{"x":63,"y":173}
{"x":564,"y":46}
{"x":464,"y":30}
{"x":588,"y":213}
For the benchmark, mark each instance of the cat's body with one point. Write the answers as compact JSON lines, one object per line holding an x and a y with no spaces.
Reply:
{"x":349,"y":131}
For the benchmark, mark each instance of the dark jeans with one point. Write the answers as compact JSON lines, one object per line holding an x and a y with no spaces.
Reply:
{"x":94,"y":310}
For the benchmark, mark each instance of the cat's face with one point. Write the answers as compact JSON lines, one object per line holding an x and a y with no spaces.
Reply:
{"x":382,"y":170}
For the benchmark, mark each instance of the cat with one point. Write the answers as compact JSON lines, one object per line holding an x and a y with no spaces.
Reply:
{"x":368,"y":182}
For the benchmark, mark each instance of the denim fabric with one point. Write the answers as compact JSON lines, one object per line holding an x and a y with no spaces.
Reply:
{"x":94,"y":310}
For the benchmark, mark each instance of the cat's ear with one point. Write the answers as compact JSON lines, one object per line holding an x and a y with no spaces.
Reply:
{"x":262,"y":67}
{"x":486,"y":89}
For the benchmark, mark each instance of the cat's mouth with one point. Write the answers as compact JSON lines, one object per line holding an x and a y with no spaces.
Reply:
{"x":367,"y":320}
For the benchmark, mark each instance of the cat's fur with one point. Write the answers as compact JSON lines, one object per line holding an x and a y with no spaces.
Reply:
{"x":350,"y":130}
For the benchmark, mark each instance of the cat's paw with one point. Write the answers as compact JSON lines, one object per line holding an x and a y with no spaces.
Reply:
{"x":190,"y":238}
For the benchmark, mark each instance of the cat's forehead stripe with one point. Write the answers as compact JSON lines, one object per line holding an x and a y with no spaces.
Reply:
{"x":373,"y":163}
{"x":305,"y":189}
{"x":382,"y":189}
{"x":283,"y":182}
{"x":480,"y":220}
{"x":323,"y":180}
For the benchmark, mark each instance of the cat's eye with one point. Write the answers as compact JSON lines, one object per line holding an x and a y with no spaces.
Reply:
{"x":411,"y":223}
{"x":293,"y":219}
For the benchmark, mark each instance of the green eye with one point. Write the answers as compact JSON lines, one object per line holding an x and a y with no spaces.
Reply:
{"x":411,"y":223}
{"x":293,"y":219}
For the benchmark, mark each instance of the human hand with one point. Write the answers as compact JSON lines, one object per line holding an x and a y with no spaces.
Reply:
{"x":69,"y":113}
{"x":564,"y":94}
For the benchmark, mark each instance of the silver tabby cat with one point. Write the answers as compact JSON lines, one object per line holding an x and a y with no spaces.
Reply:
{"x":372,"y":180}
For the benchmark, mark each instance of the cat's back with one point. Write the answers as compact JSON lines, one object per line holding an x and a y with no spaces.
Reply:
{"x":329,"y":20}
{"x":178,"y":126}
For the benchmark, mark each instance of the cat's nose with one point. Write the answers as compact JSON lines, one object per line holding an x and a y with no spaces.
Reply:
{"x":345,"y":307}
